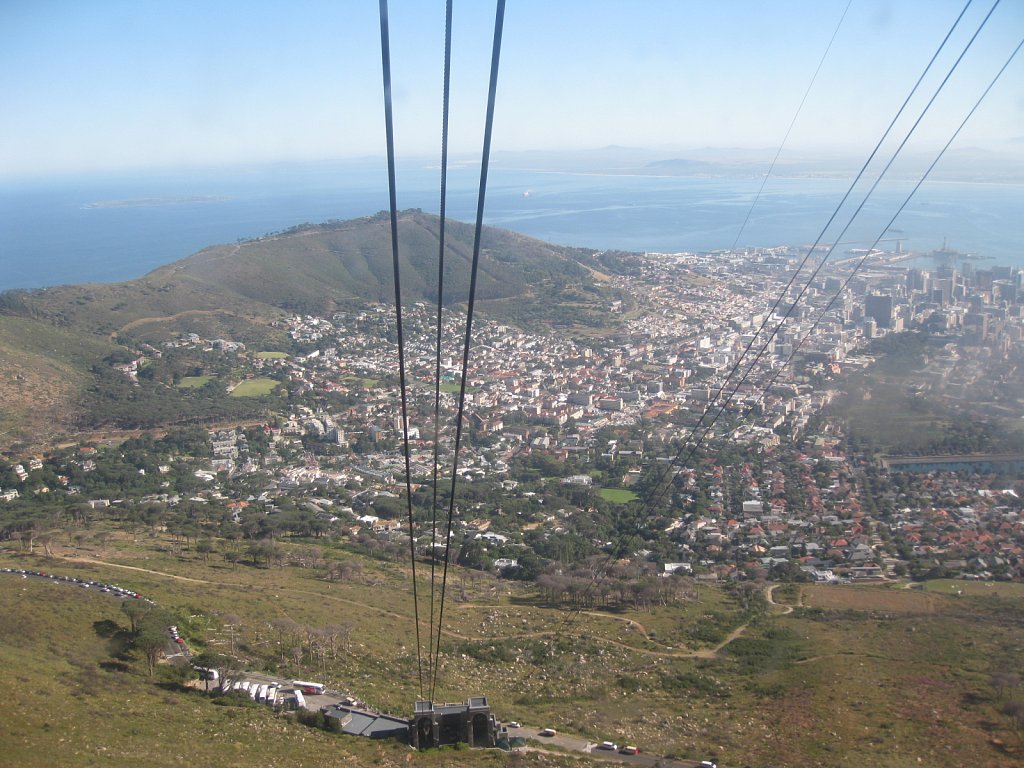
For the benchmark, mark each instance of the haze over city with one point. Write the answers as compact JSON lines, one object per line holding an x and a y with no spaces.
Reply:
{"x":115,"y":85}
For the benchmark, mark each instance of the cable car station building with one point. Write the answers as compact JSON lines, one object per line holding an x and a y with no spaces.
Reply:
{"x":440,"y":725}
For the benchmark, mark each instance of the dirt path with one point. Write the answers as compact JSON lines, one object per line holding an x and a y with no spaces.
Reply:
{"x":713,"y":652}
{"x":93,"y":561}
{"x":842,"y":654}
{"x":631,"y":623}
{"x":769,"y":595}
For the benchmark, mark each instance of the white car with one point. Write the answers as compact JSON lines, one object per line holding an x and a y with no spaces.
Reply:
{"x":611,"y":745}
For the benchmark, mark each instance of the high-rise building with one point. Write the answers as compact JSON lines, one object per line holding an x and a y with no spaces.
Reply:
{"x":1004,"y":290}
{"x":879,"y":309}
{"x":918,"y":280}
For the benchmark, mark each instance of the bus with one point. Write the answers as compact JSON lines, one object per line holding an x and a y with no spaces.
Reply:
{"x":314,"y":689}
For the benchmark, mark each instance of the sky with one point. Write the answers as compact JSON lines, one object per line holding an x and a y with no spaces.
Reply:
{"x":108,"y":85}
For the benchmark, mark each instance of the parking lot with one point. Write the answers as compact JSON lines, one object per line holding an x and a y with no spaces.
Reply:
{"x":593,"y":748}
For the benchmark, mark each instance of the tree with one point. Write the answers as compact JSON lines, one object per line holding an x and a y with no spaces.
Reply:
{"x":287,"y":631}
{"x":204,"y":547}
{"x":136,"y":611}
{"x":267,"y":551}
{"x":530,"y":567}
{"x":224,"y":665}
{"x":46,"y":540}
{"x":256,"y":551}
{"x":152,"y":638}
{"x":312,"y":555}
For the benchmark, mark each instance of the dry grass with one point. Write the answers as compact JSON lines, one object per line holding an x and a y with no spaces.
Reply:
{"x":861,"y":674}
{"x":867,"y":598}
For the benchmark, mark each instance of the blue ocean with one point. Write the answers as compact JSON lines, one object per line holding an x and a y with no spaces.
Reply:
{"x":106,"y":228}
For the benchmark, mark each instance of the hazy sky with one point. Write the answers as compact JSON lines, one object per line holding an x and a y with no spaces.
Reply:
{"x":109,"y":84}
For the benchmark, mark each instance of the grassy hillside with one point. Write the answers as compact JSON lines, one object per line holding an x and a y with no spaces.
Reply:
{"x":313,"y":269}
{"x":848,"y":675}
{"x":73,"y":699}
{"x":44,"y":372}
{"x":104,"y":309}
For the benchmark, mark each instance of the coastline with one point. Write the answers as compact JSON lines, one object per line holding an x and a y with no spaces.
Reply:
{"x":110,"y":229}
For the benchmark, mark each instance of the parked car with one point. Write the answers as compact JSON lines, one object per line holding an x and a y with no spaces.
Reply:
{"x":610,"y":745}
{"x":630,"y":750}
{"x":548,"y":732}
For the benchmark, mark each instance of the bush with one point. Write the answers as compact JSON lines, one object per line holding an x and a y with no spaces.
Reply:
{"x":234,"y":699}
{"x":628,"y":684}
{"x":777,"y":648}
{"x":767,"y":690}
{"x":683,"y":683}
{"x":318,"y":720}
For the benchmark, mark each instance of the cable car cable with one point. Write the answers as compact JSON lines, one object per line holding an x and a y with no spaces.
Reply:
{"x":888,"y":165}
{"x":789,"y":130}
{"x":891,"y":221}
{"x":842,"y":202}
{"x":484,"y":163}
{"x":657,"y":496}
{"x":385,"y":50}
{"x":431,"y":661}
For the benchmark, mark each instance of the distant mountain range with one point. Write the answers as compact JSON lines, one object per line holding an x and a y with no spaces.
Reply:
{"x":965,"y":164}
{"x":53,"y":341}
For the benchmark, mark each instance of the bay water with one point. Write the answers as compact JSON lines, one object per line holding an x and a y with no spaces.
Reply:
{"x":113,"y":227}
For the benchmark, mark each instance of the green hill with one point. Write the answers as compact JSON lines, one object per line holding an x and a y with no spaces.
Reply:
{"x":311,"y":268}
{"x":52,"y":341}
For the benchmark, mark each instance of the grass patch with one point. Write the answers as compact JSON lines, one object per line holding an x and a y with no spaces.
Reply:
{"x":194,"y":382}
{"x":975,"y":588}
{"x":356,"y":381}
{"x":774,"y":648}
{"x":255,"y":387}
{"x":617,"y":495}
{"x":453,"y":389}
{"x":867,"y":598}
{"x":271,"y":355}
